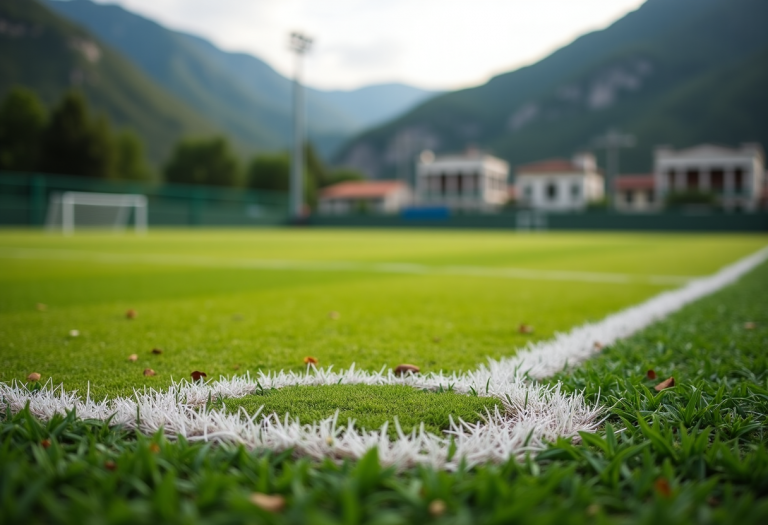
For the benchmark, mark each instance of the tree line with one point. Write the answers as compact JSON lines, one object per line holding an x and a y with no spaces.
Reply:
{"x":69,"y":141}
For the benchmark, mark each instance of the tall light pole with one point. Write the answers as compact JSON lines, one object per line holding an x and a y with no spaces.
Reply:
{"x":613,"y":141}
{"x":301,"y":45}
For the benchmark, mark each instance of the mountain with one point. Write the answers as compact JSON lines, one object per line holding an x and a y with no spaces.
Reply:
{"x":239,"y":92}
{"x":50,"y":55}
{"x":676,"y":72}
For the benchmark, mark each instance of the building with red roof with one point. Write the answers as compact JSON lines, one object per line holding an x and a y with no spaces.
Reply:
{"x":371,"y":196}
{"x":559,"y":184}
{"x":635,"y":193}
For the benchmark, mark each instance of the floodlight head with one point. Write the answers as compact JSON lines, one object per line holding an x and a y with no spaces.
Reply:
{"x":300,"y":43}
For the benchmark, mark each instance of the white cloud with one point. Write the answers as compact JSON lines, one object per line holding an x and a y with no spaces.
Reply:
{"x":433,"y":43}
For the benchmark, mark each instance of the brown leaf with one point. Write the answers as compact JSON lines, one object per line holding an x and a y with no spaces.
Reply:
{"x":309,"y":360}
{"x":154,"y":448}
{"x":236,"y":367}
{"x":269,"y":502}
{"x":157,"y":351}
{"x":436,"y":339}
{"x":525,"y":329}
{"x":405,"y":368}
{"x":333,"y":315}
{"x":131,"y":314}
{"x":651,"y":374}
{"x":598,"y":345}
{"x":45,"y":443}
{"x":133,"y":357}
{"x":662,"y":487}
{"x":667,"y":383}
{"x":750,"y":325}
{"x":149,"y":372}
{"x":197,"y":376}
{"x":34,"y":376}
{"x":437,"y":507}
{"x":110,"y":465}
{"x":41,"y":307}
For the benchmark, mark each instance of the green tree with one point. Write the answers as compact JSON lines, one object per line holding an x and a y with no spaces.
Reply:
{"x":343,"y":175}
{"x":203,"y":161}
{"x":272,"y":172}
{"x":22,"y":122}
{"x":74,"y":145}
{"x":130,"y":161}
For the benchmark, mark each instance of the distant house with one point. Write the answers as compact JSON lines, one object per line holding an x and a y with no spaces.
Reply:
{"x":381,"y":196}
{"x":635,"y":193}
{"x":559,"y":184}
{"x":471,"y":181}
{"x":735,"y":175}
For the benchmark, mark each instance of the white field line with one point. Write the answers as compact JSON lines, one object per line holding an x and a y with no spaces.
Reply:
{"x":533,"y":414}
{"x":343,"y":266}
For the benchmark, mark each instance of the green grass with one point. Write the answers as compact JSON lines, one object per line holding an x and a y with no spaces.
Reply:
{"x":224,"y":320}
{"x":695,"y":453}
{"x":369,"y":406}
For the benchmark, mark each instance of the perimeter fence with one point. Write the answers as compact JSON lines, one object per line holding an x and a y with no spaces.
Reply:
{"x":24,"y":200}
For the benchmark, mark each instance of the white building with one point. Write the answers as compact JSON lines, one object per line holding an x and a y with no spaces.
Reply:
{"x":381,"y":196}
{"x":635,"y":193}
{"x":473,"y":181}
{"x":559,"y":185}
{"x":735,"y":176}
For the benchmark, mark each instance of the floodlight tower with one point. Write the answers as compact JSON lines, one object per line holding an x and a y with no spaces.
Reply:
{"x":301,"y":45}
{"x":613,"y":141}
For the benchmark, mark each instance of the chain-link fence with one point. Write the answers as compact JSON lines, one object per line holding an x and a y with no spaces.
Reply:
{"x":25,"y":198}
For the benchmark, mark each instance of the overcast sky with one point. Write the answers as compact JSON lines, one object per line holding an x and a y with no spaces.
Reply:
{"x":441,"y":44}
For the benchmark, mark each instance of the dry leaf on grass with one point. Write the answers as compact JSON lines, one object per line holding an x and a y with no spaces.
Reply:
{"x":270,"y":503}
{"x":750,"y":325}
{"x":651,"y":374}
{"x":668,"y":383}
{"x":154,"y":447}
{"x":309,"y":360}
{"x":110,"y":465}
{"x":405,"y":368}
{"x":197,"y":375}
{"x":45,"y":443}
{"x":437,"y":507}
{"x":525,"y":329}
{"x":157,"y":351}
{"x":598,"y":345}
{"x":149,"y":372}
{"x":34,"y":376}
{"x":662,"y":487}
{"x":333,"y":315}
{"x":131,"y":314}
{"x":133,"y":357}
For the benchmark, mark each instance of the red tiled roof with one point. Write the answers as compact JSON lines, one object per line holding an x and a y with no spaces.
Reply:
{"x":361,"y":189}
{"x":634,"y":182}
{"x":549,"y":166}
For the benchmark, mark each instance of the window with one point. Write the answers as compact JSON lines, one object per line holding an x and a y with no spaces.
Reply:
{"x":459,"y":183}
{"x":649,"y":196}
{"x":443,"y":183}
{"x":629,"y":196}
{"x":576,"y":191}
{"x":717,"y":179}
{"x":692,"y":179}
{"x":551,"y":191}
{"x":528,"y":191}
{"x":738,"y":179}
{"x":671,"y":179}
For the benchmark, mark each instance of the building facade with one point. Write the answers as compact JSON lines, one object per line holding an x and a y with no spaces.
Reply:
{"x":559,"y":184}
{"x":736,"y":176}
{"x":473,"y":181}
{"x":376,"y":197}
{"x":635,"y":193}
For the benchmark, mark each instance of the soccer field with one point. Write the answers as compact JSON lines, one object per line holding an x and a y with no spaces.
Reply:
{"x":234,"y":301}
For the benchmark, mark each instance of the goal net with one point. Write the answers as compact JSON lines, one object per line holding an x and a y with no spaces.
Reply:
{"x":73,"y":209}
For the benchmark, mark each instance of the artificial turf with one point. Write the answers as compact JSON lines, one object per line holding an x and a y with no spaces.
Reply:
{"x":206,"y":310}
{"x":694,"y":453}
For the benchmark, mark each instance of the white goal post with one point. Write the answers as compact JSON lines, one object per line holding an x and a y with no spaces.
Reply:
{"x":98,"y":210}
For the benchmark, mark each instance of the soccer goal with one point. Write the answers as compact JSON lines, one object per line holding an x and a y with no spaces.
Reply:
{"x":72,"y":209}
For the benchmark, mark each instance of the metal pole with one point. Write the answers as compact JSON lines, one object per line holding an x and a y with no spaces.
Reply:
{"x":300,"y":44}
